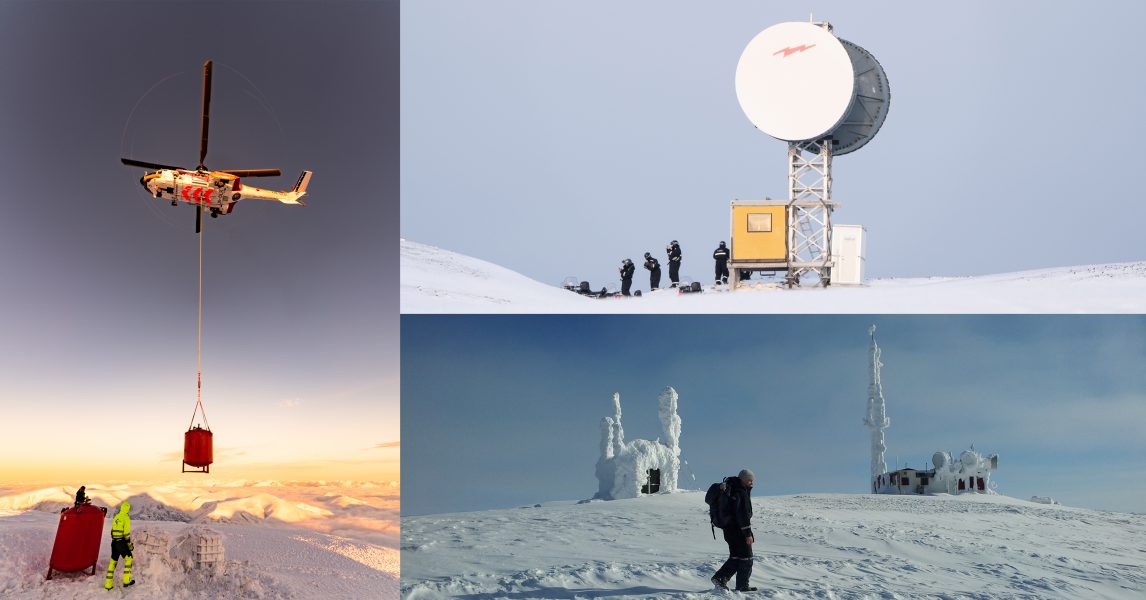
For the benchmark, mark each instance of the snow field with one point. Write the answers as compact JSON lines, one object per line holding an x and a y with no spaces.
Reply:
{"x":807,"y":546}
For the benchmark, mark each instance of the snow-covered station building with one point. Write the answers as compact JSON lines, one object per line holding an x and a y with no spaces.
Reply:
{"x":628,"y":469}
{"x":971,"y":473}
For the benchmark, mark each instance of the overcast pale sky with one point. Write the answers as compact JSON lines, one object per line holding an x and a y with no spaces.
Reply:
{"x":558,"y":138}
{"x":98,"y":310}
{"x":502,"y":411}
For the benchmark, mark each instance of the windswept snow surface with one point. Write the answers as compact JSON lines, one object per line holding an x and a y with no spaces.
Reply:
{"x":807,"y":546}
{"x":439,"y":281}
{"x":280,"y":540}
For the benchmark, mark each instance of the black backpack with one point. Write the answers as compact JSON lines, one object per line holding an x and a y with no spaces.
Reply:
{"x":721,"y":506}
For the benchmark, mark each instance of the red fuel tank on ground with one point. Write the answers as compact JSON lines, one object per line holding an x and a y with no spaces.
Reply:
{"x":77,"y":539}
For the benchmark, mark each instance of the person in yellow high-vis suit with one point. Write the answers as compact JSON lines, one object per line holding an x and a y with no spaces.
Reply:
{"x":120,"y":545}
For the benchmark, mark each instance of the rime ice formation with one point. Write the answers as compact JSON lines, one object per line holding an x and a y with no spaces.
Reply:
{"x":612,"y":442}
{"x":876,"y":419}
{"x":625,"y":468}
{"x":972,"y":472}
{"x":670,"y":421}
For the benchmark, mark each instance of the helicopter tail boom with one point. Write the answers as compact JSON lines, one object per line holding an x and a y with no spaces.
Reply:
{"x":291,"y":196}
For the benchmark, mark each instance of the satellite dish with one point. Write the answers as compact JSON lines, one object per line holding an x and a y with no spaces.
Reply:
{"x":798,"y":82}
{"x":869,"y":108}
{"x":940,"y":459}
{"x":795,"y":81}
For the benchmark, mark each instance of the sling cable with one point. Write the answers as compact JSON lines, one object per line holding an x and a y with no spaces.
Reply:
{"x":197,"y":442}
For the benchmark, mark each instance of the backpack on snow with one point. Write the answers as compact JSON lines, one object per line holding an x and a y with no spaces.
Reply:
{"x":721,"y":506}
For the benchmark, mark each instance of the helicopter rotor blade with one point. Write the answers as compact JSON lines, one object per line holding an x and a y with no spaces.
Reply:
{"x":147,"y":165}
{"x":254,"y":172}
{"x":205,"y":128}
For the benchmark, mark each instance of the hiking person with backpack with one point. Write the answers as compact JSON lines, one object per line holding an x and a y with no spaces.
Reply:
{"x":730,"y":508}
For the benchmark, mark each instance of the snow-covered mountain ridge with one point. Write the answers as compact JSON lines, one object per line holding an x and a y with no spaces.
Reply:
{"x":807,"y":545}
{"x":435,"y":280}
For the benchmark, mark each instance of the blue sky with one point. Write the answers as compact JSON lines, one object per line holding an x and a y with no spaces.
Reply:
{"x":98,"y":310}
{"x":557,"y":139}
{"x":501,"y":411}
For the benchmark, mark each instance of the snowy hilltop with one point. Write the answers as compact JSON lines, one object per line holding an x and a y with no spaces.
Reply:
{"x":820,"y":545}
{"x":439,"y":281}
{"x":267,"y":540}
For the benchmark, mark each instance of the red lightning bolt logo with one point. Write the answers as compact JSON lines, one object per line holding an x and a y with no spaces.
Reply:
{"x":792,"y":50}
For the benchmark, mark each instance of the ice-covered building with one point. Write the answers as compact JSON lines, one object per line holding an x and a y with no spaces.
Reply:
{"x":971,"y":473}
{"x":628,"y":469}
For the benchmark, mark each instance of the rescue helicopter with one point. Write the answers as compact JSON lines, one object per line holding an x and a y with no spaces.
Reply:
{"x":215,"y":192}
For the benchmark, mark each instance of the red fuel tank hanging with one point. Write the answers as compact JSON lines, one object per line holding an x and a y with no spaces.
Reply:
{"x":198,"y":443}
{"x":198,"y":450}
{"x":77,"y":539}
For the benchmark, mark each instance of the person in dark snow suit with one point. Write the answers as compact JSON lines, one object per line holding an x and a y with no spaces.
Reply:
{"x":673,"y":250}
{"x":654,"y":267}
{"x":627,"y":269}
{"x":738,"y":534}
{"x":721,"y":256}
{"x":81,"y":496}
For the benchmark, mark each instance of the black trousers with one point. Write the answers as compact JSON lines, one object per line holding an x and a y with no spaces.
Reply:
{"x":721,"y":272}
{"x":655,"y":278}
{"x":739,"y":558}
{"x":674,"y":272}
{"x":119,"y":549}
{"x":625,"y":285}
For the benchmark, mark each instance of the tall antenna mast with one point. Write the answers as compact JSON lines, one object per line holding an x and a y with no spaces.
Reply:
{"x":876,"y":419}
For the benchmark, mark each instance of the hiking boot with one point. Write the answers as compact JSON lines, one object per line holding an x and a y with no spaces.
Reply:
{"x":746,"y":589}
{"x":129,"y":584}
{"x":721,"y":584}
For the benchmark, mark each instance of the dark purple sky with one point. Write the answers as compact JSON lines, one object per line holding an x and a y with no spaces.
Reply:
{"x":98,"y":296}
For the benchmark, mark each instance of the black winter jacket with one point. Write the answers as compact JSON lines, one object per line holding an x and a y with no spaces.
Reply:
{"x":742,"y":499}
{"x":627,"y":270}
